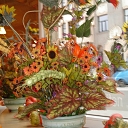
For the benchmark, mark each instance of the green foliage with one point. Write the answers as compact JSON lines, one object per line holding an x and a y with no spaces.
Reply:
{"x":84,"y":29}
{"x":50,"y":16}
{"x":93,"y":8}
{"x":50,"y":3}
{"x":116,"y":59}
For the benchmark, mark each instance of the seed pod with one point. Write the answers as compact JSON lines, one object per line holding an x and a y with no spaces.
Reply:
{"x":20,"y":109}
{"x":35,"y":118}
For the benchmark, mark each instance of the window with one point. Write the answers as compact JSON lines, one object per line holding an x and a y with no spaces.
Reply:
{"x":126,"y":15}
{"x":64,"y":29}
{"x":63,"y":2}
{"x":103,"y":0}
{"x":103,"y":23}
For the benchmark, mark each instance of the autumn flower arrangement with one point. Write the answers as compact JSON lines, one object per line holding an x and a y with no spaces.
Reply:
{"x":67,"y":79}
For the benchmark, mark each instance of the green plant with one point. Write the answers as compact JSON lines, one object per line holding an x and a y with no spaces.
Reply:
{"x":66,"y":79}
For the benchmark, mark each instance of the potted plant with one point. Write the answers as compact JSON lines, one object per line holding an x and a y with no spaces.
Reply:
{"x":10,"y":59}
{"x":67,"y":79}
{"x":9,"y":89}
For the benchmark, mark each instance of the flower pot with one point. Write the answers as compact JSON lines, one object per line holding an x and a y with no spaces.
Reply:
{"x":13,"y":103}
{"x":77,"y":121}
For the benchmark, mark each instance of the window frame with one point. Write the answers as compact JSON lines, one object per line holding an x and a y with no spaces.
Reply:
{"x":126,"y":15}
{"x":103,"y":24}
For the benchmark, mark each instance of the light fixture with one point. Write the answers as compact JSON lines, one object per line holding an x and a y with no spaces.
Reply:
{"x":2,"y":30}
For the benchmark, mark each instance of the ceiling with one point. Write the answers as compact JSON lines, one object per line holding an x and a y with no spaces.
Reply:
{"x":21,"y":6}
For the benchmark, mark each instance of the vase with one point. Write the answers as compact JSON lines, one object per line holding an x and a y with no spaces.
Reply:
{"x":77,"y":121}
{"x":13,"y":103}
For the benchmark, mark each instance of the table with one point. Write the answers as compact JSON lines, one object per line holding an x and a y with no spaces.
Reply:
{"x":8,"y":120}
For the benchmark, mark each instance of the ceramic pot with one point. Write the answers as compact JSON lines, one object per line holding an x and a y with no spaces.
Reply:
{"x":77,"y":121}
{"x":14,"y":103}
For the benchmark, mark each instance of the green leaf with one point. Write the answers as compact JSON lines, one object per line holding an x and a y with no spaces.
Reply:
{"x":50,"y":16}
{"x":64,"y":103}
{"x":91,"y":10}
{"x":84,"y":29}
{"x":50,"y":3}
{"x":28,"y":109}
{"x":109,"y":85}
{"x":95,"y":100}
{"x":116,"y":59}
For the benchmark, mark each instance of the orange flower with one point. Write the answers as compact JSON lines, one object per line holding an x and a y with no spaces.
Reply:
{"x":86,"y":67}
{"x":39,"y":63}
{"x":65,"y":80}
{"x":27,"y":71}
{"x":36,"y":52}
{"x":42,"y":50}
{"x":98,"y":70}
{"x":42,"y":40}
{"x":55,"y":64}
{"x":86,"y":48}
{"x":86,"y":56}
{"x":38,"y":86}
{"x":94,"y":64}
{"x":100,"y":77}
{"x":80,"y":61}
{"x":17,"y":80}
{"x":114,"y":2}
{"x":35,"y":67}
{"x":79,"y":84}
{"x":107,"y":71}
{"x":11,"y":53}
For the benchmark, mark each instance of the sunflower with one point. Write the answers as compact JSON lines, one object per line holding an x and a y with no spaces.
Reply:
{"x":52,"y":53}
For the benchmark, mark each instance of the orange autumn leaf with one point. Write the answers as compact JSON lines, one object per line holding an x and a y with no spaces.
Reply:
{"x":114,"y":2}
{"x":82,"y":2}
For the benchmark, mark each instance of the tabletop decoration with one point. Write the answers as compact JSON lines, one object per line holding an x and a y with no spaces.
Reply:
{"x":67,"y":79}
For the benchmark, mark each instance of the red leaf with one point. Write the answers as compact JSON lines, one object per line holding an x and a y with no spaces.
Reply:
{"x":64,"y":103}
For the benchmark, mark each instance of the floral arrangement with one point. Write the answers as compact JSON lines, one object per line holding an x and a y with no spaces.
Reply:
{"x":67,"y":79}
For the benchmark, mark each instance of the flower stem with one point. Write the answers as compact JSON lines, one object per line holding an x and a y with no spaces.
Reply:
{"x":19,"y":38}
